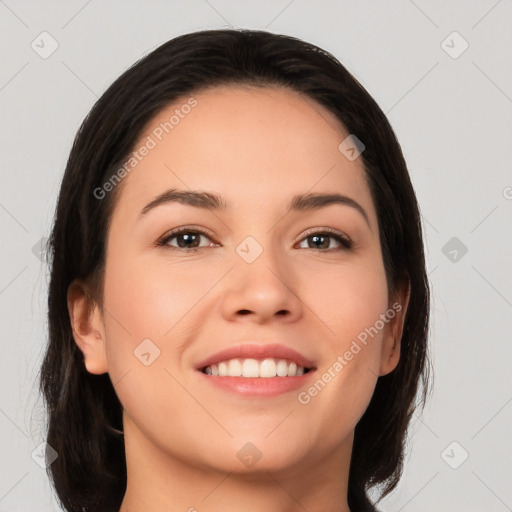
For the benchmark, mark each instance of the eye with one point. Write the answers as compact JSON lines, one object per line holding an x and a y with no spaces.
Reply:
{"x":321,"y":239}
{"x":186,"y":238}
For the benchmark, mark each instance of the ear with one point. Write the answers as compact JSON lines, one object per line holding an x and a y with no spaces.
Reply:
{"x":395,"y":315}
{"x":88,"y":327}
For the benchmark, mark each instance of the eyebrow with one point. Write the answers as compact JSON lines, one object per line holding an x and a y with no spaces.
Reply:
{"x":207,"y":200}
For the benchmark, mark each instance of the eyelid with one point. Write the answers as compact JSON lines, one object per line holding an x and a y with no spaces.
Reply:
{"x":184,"y":229}
{"x":326,"y":230}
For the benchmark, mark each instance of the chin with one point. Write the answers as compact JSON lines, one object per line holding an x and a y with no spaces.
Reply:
{"x":256,"y":455}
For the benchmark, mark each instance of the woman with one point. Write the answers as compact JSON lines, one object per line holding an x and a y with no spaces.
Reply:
{"x":238,"y":305}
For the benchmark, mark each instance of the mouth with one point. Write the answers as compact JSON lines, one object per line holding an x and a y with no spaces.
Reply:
{"x":257,"y":370}
{"x":254,"y":368}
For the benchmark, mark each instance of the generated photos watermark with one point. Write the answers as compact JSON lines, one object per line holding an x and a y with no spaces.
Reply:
{"x":304,"y":397}
{"x":149,"y":143}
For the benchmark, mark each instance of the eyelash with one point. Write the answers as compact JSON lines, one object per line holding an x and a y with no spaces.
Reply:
{"x":345,"y":241}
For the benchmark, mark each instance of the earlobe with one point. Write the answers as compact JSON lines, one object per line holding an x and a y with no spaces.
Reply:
{"x":390,"y":358}
{"x":87,"y":326}
{"x":391,"y":343}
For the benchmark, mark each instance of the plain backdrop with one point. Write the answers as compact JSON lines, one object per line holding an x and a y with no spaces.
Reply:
{"x":442,"y":73}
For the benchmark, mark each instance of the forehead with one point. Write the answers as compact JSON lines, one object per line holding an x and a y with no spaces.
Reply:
{"x":251,"y":145}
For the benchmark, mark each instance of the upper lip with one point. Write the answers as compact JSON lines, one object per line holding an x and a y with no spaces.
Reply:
{"x":257,"y":351}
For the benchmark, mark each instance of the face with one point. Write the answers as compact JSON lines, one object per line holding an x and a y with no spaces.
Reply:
{"x":259,"y":285}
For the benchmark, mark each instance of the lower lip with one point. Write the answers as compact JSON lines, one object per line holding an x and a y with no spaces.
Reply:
{"x":258,"y":387}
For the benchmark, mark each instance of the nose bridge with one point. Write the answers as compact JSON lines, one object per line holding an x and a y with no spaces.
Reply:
{"x":261,"y":281}
{"x":261,"y":257}
{"x":255,"y":233}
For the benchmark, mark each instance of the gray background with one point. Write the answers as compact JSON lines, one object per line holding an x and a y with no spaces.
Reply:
{"x":452,"y":113}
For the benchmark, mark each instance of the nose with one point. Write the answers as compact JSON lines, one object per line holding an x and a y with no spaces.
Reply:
{"x":262,"y":291}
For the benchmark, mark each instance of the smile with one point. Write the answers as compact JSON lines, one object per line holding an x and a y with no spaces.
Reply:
{"x":254,"y":368}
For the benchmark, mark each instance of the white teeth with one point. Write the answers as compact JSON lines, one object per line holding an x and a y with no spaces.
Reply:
{"x":223,"y":369}
{"x":250,"y":368}
{"x":267,"y":368}
{"x":282,"y":368}
{"x":235,"y":368}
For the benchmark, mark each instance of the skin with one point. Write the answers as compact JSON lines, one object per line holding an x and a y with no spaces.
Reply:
{"x":256,"y":147}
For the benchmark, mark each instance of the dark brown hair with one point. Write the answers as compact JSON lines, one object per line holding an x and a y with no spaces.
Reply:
{"x":83,"y":409}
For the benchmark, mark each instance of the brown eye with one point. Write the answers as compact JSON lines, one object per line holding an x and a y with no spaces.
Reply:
{"x":322,"y":240}
{"x":186,"y":238}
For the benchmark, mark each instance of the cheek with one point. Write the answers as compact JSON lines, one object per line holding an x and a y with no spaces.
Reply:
{"x":150,"y":301}
{"x":142,"y":307}
{"x":348,"y":299}
{"x":349,"y":302}
{"x":148,"y":298}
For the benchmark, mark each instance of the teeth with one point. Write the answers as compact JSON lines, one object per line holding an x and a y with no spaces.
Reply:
{"x":268,"y":368}
{"x":282,"y":368}
{"x":252,"y":368}
{"x":223,"y":369}
{"x":235,"y":368}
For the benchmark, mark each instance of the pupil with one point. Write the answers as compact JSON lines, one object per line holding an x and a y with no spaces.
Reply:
{"x":317,"y":238}
{"x":186,"y":237}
